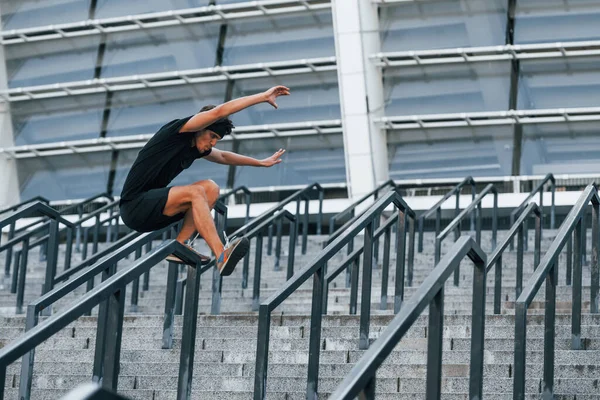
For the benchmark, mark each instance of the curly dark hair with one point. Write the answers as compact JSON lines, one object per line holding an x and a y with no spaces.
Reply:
{"x":221,"y":127}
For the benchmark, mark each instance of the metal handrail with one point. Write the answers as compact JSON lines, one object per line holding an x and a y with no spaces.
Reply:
{"x":519,"y":229}
{"x":248,"y":195}
{"x":21,"y":204}
{"x":548,"y":271}
{"x":456,"y":222}
{"x":110,"y":295}
{"x":353,"y":259}
{"x":87,"y":272}
{"x":437,"y":206}
{"x":41,"y":209}
{"x":79,"y":206}
{"x":298,"y":196}
{"x":361,"y":379}
{"x":352,"y":207}
{"x":316,"y":268}
{"x":539,"y":189}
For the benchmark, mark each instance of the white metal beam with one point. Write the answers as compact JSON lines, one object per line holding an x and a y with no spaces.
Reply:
{"x":491,"y":118}
{"x":172,"y":78}
{"x":212,"y":13}
{"x":309,"y":128}
{"x":488,"y":53}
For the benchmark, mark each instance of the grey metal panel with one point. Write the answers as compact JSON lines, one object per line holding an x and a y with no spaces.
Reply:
{"x":417,"y":25}
{"x":65,"y":177}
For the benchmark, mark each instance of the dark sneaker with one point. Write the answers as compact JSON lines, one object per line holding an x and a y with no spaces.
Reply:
{"x":174,"y":259}
{"x":234,"y":251}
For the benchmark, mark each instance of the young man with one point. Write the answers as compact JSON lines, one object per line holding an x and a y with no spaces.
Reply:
{"x":148,"y":204}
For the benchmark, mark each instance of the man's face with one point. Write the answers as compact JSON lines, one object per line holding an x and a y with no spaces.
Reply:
{"x":206,"y":140}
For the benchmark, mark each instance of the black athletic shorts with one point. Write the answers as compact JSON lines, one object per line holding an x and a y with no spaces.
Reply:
{"x":144,"y":213}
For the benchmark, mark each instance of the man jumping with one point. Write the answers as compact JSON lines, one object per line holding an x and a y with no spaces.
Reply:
{"x":148,"y":204}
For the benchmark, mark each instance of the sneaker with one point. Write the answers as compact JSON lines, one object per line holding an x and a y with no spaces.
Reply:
{"x":234,"y":251}
{"x":174,"y":259}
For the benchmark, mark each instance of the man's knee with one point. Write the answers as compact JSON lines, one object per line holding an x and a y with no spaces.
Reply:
{"x":207,"y":188}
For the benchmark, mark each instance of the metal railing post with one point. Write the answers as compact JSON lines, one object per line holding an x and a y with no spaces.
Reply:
{"x":411,"y":250}
{"x":519,"y":277}
{"x":456,"y":214}
{"x":421,"y":228}
{"x":114,"y":332}
{"x":16,"y":269}
{"x":520,"y":350}
{"x":69,"y":249}
{"x":257,"y":272}
{"x":478,"y":330}
{"x":135,"y":286}
{"x":305,"y":226}
{"x":291,"y":250}
{"x":262,"y":352}
{"x":576,"y":302}
{"x":549,"y":333}
{"x":365,"y":306}
{"x":320,"y":215}
{"x":188,"y":338}
{"x":569,"y":269}
{"x":498,"y":286}
{"x":278,"y":244}
{"x":101,"y":335}
{"x":315,"y":334}
{"x":400,"y":262}
{"x":270,"y":240}
{"x":22,"y":276}
{"x":28,"y":359}
{"x":96,"y":234}
{"x":434,"y":346}
{"x":385,"y":268}
{"x":9,"y":251}
{"x":595,"y":275}
{"x":52,"y":258}
{"x":169,"y":314}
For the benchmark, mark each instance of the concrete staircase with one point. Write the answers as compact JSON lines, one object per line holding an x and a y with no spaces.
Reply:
{"x":226,"y":344}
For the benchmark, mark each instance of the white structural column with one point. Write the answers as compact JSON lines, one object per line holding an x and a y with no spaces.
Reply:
{"x":9,"y":183}
{"x":356,"y":24}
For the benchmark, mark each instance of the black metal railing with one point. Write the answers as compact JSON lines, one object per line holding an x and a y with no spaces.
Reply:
{"x":29,"y":241}
{"x":350,"y":211}
{"x":361,"y":380}
{"x":316,"y":269}
{"x":40,"y":209}
{"x":437,"y":210}
{"x":547,"y":272}
{"x":74,"y":278}
{"x":110,"y":296}
{"x":298,"y":197}
{"x":519,"y":229}
{"x":353,"y":261}
{"x":248,"y":199}
{"x":79,"y":207}
{"x":21,"y":204}
{"x":474,"y":206}
{"x":539,"y":189}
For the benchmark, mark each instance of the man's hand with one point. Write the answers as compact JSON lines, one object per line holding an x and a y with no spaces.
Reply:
{"x":274,"y":159}
{"x":275,"y":92}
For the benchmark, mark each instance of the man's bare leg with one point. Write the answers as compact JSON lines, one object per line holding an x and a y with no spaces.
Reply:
{"x":196,"y":201}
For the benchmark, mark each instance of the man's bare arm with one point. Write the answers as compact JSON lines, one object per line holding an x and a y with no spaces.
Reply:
{"x":230,"y":158}
{"x":204,"y":119}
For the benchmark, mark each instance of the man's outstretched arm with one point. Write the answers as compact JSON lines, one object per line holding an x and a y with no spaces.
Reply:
{"x":204,"y":119}
{"x":230,"y":158}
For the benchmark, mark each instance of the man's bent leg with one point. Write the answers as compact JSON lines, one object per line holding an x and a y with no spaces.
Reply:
{"x":198,"y":199}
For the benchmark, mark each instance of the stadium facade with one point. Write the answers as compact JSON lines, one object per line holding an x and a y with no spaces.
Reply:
{"x":381,"y":89}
